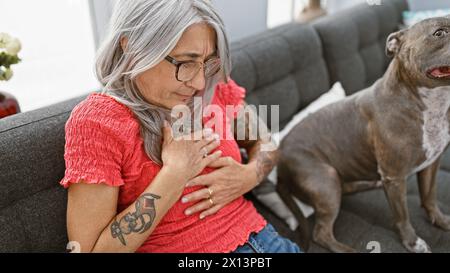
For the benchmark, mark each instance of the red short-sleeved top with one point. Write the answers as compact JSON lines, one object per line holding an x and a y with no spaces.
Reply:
{"x":104,"y":145}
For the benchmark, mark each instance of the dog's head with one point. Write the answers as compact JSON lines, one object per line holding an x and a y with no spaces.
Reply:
{"x":424,"y":51}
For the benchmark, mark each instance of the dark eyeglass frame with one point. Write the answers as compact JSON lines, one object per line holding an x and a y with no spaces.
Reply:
{"x":178,"y":64}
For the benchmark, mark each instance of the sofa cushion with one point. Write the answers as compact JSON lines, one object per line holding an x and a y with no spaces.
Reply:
{"x":32,"y":207}
{"x":366,"y":217}
{"x":354,"y":42}
{"x":283,"y":66}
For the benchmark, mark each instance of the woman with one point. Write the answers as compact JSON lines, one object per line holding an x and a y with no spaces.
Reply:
{"x":133,"y":185}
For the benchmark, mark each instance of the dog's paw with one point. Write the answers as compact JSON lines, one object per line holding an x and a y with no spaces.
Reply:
{"x":442,"y":222}
{"x":419,"y":246}
{"x":378,"y":184}
{"x":439,"y":219}
{"x":333,"y":245}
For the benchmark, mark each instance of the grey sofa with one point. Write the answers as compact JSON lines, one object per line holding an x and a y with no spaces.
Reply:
{"x":291,"y":66}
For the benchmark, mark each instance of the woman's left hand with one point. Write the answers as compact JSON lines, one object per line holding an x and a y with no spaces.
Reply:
{"x":229,"y":181}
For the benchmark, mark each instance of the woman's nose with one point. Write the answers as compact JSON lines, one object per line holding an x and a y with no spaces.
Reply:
{"x":199,"y":81}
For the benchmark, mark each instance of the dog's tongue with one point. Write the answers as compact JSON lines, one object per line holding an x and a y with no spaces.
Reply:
{"x":441,"y":72}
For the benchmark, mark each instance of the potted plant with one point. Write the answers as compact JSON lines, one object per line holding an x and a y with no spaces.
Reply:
{"x":9,"y":48}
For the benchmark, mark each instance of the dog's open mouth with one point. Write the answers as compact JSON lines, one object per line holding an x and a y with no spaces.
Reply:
{"x":442,"y":72}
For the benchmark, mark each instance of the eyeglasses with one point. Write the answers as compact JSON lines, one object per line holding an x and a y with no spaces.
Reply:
{"x":187,"y":70}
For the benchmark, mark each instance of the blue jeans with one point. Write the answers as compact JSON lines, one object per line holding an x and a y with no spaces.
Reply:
{"x":268,"y":241}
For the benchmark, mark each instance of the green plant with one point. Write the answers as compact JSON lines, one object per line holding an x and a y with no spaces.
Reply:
{"x":9,"y":48}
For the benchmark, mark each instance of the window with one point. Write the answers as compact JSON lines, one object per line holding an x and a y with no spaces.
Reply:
{"x":282,"y":12}
{"x":58,"y":50}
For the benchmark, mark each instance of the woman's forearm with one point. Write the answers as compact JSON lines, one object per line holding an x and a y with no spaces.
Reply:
{"x":262,"y":160}
{"x":128,"y":230}
{"x":262,"y":151}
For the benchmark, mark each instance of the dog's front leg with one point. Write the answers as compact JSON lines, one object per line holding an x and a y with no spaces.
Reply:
{"x":395,"y":189}
{"x":427,"y":188}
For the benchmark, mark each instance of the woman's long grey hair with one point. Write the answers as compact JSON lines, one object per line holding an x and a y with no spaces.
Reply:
{"x":153,"y":28}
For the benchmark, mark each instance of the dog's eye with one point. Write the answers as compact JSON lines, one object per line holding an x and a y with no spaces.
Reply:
{"x":440,"y":32}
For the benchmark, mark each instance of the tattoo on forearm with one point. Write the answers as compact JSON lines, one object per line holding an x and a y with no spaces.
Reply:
{"x":138,"y":221}
{"x":265,"y":161}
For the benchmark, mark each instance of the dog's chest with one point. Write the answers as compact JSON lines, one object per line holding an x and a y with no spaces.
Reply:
{"x":435,"y":123}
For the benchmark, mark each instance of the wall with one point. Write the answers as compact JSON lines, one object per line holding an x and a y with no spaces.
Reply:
{"x":429,"y":4}
{"x":242,"y":17}
{"x":101,"y":11}
{"x":415,"y":5}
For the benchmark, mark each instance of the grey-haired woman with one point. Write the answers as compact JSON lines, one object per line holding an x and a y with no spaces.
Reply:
{"x":134,"y":185}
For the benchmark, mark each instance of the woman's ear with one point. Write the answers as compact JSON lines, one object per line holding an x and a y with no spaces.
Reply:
{"x":123,"y":43}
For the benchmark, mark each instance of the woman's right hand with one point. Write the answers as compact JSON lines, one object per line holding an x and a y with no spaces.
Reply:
{"x":187,"y":157}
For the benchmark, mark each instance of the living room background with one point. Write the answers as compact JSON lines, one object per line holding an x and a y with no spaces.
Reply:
{"x":60,"y":37}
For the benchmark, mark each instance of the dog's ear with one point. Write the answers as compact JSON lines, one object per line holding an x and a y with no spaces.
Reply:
{"x":394,"y":43}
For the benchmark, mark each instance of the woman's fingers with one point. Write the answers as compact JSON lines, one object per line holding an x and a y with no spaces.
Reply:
{"x":167,"y":132}
{"x":196,"y":195}
{"x":207,"y":132}
{"x":211,"y":158}
{"x":200,"y":206}
{"x":221,"y":162}
{"x":201,"y":134}
{"x":201,"y":139}
{"x":210,"y":146}
{"x":213,"y":210}
{"x":207,"y":140}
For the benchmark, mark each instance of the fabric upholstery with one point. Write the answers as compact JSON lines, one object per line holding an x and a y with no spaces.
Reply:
{"x":290,"y":66}
{"x":354,"y":42}
{"x":32,"y":206}
{"x":283,"y":66}
{"x":366,"y":217}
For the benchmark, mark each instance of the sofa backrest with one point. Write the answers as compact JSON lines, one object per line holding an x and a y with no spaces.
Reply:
{"x":354,"y":42}
{"x":283,"y":66}
{"x":289,"y":66}
{"x":32,"y":203}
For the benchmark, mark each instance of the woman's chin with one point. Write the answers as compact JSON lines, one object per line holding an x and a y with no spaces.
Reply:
{"x":178,"y":103}
{"x":183,"y":101}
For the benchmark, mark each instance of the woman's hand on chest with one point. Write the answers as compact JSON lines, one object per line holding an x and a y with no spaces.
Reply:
{"x":228,"y":182}
{"x":187,"y":156}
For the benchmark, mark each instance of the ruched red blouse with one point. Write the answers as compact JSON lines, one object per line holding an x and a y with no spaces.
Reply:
{"x":104,"y":145}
